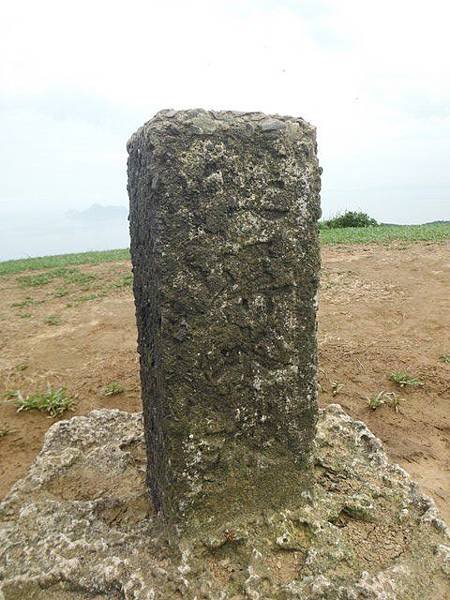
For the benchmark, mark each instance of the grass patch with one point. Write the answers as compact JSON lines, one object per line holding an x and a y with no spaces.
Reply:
{"x":25,"y":315}
{"x":73,"y":276}
{"x":70,"y":276}
{"x":61,"y":292}
{"x":125,"y":281}
{"x":385,"y":398}
{"x":10,"y":267}
{"x":88,"y":298}
{"x":444,"y":358}
{"x":404,"y":379}
{"x":35,"y":280}
{"x":27,"y":302}
{"x":383,"y":234}
{"x":53,"y":401}
{"x":113,"y":389}
{"x":52,"y":320}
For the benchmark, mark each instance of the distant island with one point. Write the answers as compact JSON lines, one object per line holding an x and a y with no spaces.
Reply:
{"x":98,"y":212}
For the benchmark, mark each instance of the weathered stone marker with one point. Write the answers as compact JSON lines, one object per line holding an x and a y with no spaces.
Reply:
{"x":224,"y":243}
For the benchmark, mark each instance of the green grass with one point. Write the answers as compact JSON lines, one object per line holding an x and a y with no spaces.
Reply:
{"x":27,"y":302}
{"x":404,"y":379}
{"x":53,"y":401}
{"x":89,"y":297}
{"x":113,"y":389}
{"x":68,"y":275}
{"x":60,"y":292}
{"x":383,"y":234}
{"x":52,"y":320}
{"x":125,"y":281}
{"x":389,"y":398}
{"x":11,"y":267}
{"x":37,"y":280}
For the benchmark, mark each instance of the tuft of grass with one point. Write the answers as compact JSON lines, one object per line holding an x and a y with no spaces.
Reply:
{"x":77,"y":277}
{"x":88,"y":298}
{"x":27,"y":302}
{"x":53,"y":401}
{"x":445,"y":358}
{"x":60,"y":292}
{"x":336,"y":388}
{"x":52,"y":320}
{"x":125,"y":281}
{"x":5,"y":430}
{"x":404,"y":379}
{"x":389,"y":398}
{"x":25,"y":315}
{"x":113,"y":389}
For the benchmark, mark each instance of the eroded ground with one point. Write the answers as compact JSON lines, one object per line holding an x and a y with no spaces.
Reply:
{"x":382,"y":309}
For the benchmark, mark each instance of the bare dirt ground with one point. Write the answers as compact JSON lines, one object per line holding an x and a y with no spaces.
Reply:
{"x":382,"y":309}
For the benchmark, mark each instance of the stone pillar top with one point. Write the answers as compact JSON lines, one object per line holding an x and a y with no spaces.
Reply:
{"x":206,"y":122}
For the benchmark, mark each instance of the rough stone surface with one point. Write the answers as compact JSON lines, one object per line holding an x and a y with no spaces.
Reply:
{"x":79,"y":526}
{"x":224,"y":243}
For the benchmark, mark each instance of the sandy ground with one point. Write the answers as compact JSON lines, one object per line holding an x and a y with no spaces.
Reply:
{"x":382,"y":310}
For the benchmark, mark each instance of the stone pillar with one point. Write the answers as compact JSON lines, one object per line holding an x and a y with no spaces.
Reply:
{"x":224,"y":244}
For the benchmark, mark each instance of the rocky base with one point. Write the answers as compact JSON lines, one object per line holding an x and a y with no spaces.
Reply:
{"x":79,"y":526}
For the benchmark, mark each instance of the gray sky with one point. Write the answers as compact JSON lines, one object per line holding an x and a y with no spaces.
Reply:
{"x":78,"y":77}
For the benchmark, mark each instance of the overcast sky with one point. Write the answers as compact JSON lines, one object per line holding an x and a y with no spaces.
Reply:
{"x":78,"y":77}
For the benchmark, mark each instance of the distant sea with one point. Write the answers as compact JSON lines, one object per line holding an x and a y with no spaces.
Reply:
{"x":25,"y":235}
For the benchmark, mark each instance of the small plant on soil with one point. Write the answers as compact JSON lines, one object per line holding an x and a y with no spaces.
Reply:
{"x":61,"y":292}
{"x":4,"y":430}
{"x":87,"y":298}
{"x":35,"y":280}
{"x":27,"y":302}
{"x":336,"y":388}
{"x":113,"y":388}
{"x":53,"y":401}
{"x":52,"y":320}
{"x":403,"y":379}
{"x":389,"y":398}
{"x":125,"y":281}
{"x":445,"y":358}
